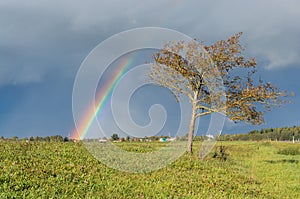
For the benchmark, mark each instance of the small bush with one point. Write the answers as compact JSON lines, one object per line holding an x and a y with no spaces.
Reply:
{"x":289,"y":151}
{"x":221,"y":153}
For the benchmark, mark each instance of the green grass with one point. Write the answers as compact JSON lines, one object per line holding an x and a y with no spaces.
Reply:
{"x":289,"y":151}
{"x":67,"y":170}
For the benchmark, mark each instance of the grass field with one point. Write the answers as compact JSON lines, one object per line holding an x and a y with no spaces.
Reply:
{"x":67,"y":170}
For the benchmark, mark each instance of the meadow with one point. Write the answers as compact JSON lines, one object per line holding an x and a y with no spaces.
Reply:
{"x":68,"y":170}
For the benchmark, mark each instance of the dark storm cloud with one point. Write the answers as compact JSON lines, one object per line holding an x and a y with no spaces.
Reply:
{"x":42,"y":36}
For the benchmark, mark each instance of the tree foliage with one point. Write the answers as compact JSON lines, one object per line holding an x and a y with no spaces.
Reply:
{"x":191,"y":69}
{"x":273,"y":134}
{"x":115,"y":137}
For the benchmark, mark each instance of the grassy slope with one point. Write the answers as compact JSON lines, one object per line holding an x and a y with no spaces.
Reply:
{"x":65,"y":170}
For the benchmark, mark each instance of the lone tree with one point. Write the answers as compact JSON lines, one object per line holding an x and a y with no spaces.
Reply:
{"x":115,"y":137}
{"x":190,"y":69}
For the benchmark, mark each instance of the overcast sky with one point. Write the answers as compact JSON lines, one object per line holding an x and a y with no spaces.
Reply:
{"x":43,"y":43}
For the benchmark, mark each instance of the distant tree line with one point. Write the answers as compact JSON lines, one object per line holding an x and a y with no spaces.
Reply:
{"x":55,"y":138}
{"x":273,"y":134}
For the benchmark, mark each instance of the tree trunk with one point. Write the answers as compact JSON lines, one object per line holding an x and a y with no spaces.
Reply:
{"x":192,"y":129}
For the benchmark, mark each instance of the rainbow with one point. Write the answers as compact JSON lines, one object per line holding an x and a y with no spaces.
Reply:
{"x":102,"y":98}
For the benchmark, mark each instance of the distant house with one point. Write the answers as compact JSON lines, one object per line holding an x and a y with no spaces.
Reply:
{"x":167,"y":139}
{"x":210,"y":137}
{"x":163,"y":139}
{"x":102,"y":141}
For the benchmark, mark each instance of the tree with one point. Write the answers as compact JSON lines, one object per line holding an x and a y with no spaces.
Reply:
{"x":66,"y":139}
{"x":114,"y":137}
{"x":190,"y":68}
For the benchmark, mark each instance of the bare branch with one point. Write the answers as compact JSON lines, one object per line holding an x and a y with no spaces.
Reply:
{"x":202,"y":114}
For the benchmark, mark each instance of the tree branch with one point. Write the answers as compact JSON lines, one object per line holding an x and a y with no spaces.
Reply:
{"x":202,"y":114}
